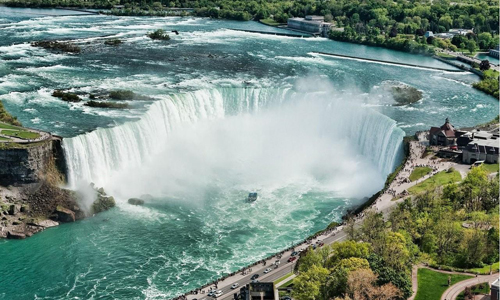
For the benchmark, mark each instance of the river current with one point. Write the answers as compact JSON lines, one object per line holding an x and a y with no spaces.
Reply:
{"x":231,"y":112}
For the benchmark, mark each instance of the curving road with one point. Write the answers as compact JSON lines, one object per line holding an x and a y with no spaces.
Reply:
{"x":452,"y":292}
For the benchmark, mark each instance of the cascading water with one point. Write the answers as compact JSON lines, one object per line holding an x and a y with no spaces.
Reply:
{"x":98,"y":155}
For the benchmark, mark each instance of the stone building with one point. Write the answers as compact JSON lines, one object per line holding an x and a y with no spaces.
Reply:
{"x":446,"y":135}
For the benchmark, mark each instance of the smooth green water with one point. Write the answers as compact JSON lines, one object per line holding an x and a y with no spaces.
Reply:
{"x":312,"y":134}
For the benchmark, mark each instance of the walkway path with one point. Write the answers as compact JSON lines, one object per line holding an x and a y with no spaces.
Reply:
{"x":452,"y":292}
{"x":4,"y":138}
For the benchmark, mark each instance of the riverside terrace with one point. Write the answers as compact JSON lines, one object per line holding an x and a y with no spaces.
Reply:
{"x":395,"y":193}
{"x":21,"y":135}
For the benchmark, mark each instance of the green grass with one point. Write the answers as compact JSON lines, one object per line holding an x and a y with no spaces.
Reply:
{"x":4,"y":139}
{"x":476,"y":290}
{"x":444,"y":55}
{"x":289,"y":283}
{"x":419,"y":172}
{"x":8,"y":126}
{"x":21,"y":134}
{"x":440,"y":179}
{"x":270,"y":22}
{"x":486,"y":269}
{"x":432,"y":284}
{"x":283,"y":278}
{"x":491,"y":73}
{"x":490,"y":168}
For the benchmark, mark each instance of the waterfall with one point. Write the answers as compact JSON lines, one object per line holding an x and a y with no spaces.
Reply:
{"x":95,"y":156}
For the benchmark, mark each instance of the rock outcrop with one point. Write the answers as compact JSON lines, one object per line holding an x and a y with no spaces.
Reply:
{"x":135,"y":201}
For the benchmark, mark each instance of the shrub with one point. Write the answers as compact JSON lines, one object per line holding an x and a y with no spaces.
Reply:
{"x":159,"y":34}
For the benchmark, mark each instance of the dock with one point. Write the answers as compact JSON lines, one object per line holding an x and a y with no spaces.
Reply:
{"x":302,"y":35}
{"x":385,"y":62}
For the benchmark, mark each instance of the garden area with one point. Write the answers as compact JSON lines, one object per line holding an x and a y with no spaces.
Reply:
{"x":432,"y":284}
{"x":440,"y":179}
{"x":419,"y":172}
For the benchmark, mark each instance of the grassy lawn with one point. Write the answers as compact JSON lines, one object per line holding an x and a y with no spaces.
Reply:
{"x":476,"y":290}
{"x":419,"y":172}
{"x":490,"y":168}
{"x":270,"y":22}
{"x":440,"y":179}
{"x":4,"y":139}
{"x":8,"y":126}
{"x":491,"y":73}
{"x":486,"y":269}
{"x":21,"y":134}
{"x":444,"y":55}
{"x":283,"y":278}
{"x":432,"y":284}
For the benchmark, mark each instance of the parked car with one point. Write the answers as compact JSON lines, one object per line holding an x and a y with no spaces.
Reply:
{"x":235,"y":285}
{"x":267,"y":270}
{"x":277,"y":262}
{"x":254,"y":276}
{"x":294,"y":253}
{"x":293,"y":258}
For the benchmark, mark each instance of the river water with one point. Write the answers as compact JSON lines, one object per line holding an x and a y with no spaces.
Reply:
{"x":231,"y":113}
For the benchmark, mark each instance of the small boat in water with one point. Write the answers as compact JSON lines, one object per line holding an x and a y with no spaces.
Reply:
{"x":252,"y":197}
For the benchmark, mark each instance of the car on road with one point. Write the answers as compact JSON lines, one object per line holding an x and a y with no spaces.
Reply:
{"x":294,"y":253}
{"x":218,"y":293}
{"x":267,"y":270}
{"x":255,"y":281}
{"x":235,"y":285}
{"x":254,"y":276}
{"x":277,"y":262}
{"x":293,"y":258}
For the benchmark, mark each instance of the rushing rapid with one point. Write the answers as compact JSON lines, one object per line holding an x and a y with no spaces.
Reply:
{"x":228,"y":113}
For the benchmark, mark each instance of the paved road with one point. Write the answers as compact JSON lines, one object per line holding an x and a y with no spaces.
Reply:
{"x":452,"y":292}
{"x":283,"y":269}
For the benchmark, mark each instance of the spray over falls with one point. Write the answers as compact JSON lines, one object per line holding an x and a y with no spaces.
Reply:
{"x":240,"y":138}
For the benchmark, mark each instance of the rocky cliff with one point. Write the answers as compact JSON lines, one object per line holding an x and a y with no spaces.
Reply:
{"x":31,"y":197}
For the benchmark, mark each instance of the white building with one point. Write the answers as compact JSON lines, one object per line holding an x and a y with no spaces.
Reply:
{"x":310,"y":24}
{"x":483,"y":146}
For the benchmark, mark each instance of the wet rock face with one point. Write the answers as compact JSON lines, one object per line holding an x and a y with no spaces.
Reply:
{"x":103,"y":203}
{"x":24,"y":165}
{"x":16,"y":235}
{"x":64,"y":215}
